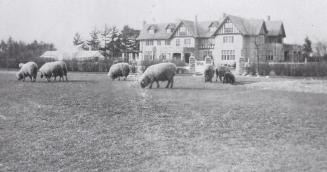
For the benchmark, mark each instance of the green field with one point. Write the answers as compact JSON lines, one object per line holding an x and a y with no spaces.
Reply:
{"x":94,"y":124}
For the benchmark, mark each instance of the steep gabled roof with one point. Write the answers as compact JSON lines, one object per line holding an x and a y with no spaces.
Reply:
{"x":275,"y":28}
{"x":160,"y":32}
{"x":245,"y":26}
{"x":202,"y":29}
{"x":189,"y":25}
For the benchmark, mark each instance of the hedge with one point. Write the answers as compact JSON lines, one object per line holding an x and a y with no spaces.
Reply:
{"x":289,"y":69}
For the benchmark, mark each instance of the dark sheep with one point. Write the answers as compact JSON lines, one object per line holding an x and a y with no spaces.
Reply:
{"x":119,"y":70}
{"x":229,"y":78}
{"x":209,"y":72}
{"x":61,"y":72}
{"x":159,"y":72}
{"x":220,"y":72}
{"x":28,"y":69}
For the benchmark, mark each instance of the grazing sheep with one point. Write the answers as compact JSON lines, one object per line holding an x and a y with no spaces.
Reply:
{"x":21,"y":65}
{"x":229,"y":78}
{"x":119,"y":70}
{"x":28,"y":69}
{"x":209,"y":72}
{"x":51,"y":69}
{"x":62,"y":72}
{"x":220,"y":72}
{"x":159,"y":72}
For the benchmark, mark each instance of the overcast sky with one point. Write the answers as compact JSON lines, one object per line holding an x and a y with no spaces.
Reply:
{"x":56,"y":21}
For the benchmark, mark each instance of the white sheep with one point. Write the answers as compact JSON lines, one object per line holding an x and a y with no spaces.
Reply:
{"x":28,"y":69}
{"x":119,"y":70}
{"x":159,"y":72}
{"x":50,"y":69}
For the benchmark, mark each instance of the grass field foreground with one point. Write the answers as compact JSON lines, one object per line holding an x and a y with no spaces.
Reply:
{"x":94,"y":124}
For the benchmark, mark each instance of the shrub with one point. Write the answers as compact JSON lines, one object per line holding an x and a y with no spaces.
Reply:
{"x":289,"y":69}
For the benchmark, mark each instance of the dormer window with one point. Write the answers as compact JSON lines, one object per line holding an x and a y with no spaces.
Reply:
{"x":182,"y":29}
{"x":212,"y":28}
{"x":169,"y":30}
{"x":151,"y":31}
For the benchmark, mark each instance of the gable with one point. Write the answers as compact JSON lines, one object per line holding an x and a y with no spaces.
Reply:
{"x":183,"y":30}
{"x":228,"y":28}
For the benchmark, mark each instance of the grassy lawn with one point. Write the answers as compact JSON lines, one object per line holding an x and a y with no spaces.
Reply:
{"x":94,"y":124}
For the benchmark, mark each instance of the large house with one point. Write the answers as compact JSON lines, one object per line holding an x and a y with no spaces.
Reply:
{"x":234,"y":40}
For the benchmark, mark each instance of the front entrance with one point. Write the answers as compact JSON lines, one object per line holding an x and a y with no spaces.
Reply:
{"x":187,"y":57}
{"x":177,"y":56}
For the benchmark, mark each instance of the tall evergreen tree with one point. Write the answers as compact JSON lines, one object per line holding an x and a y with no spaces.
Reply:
{"x":94,"y":42}
{"x":307,"y":49}
{"x":77,"y":40}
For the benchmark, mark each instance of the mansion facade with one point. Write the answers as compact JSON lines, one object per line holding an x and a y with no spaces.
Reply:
{"x":231,"y":41}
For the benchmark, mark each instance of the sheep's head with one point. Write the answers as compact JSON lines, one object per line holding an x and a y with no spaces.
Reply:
{"x":112,"y":75}
{"x":19,"y":76}
{"x":145,"y":81}
{"x":20,"y":65}
{"x":41,"y":74}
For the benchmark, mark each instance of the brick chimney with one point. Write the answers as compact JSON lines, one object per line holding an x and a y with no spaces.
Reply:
{"x":268,"y":18}
{"x":196,"y":25}
{"x":224,"y":15}
{"x":143,"y":23}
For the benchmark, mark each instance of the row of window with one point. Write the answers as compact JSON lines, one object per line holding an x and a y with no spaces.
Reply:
{"x":228,"y":39}
{"x":150,"y":42}
{"x":227,"y":54}
{"x":187,"y":42}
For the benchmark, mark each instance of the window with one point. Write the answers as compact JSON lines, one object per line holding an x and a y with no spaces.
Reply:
{"x":228,"y":27}
{"x":227,"y":54}
{"x":182,"y":31}
{"x":148,"y":55}
{"x":158,"y":42}
{"x":269,"y":56}
{"x":212,"y":28}
{"x":151,"y":31}
{"x":167,"y":42}
{"x":177,"y":42}
{"x":149,"y":42}
{"x":187,"y":41}
{"x":169,"y":30}
{"x":228,"y":39}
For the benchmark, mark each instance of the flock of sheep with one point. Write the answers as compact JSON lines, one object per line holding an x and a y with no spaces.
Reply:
{"x":154,"y":73}
{"x":47,"y":70}
{"x":166,"y":72}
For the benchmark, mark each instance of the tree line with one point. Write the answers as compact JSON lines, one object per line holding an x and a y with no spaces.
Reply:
{"x":12,"y":51}
{"x":111,"y":41}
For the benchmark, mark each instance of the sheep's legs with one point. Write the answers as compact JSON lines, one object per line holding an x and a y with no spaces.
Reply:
{"x":171,"y":82}
{"x":168,"y":84}
{"x":151,"y":84}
